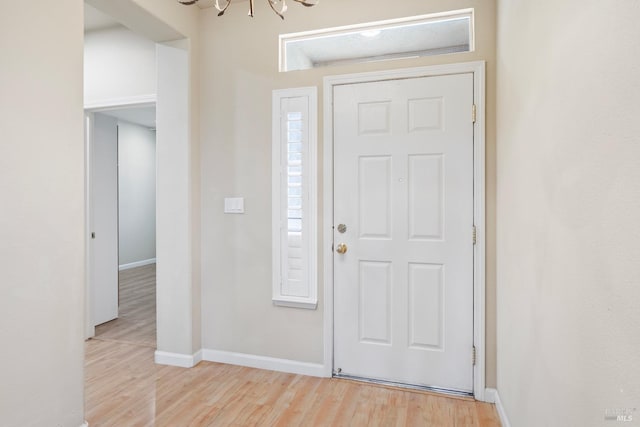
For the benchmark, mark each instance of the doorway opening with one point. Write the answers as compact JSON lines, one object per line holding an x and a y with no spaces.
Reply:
{"x":133,"y":59}
{"x":123,"y":238}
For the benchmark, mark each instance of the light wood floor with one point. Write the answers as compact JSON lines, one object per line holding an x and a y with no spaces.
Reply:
{"x":136,"y":322}
{"x":124,"y":388}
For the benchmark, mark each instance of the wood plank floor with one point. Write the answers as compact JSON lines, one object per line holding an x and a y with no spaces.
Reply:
{"x":124,"y":388}
{"x":136,"y":322}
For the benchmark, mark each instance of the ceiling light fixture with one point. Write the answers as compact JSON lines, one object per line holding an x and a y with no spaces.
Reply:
{"x":370,"y":33}
{"x":278,"y":6}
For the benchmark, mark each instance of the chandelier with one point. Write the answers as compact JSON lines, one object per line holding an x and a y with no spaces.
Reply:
{"x":278,"y":6}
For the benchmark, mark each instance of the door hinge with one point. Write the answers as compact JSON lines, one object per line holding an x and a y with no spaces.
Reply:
{"x":475,"y":235}
{"x":473,"y":356}
{"x":473,"y":113}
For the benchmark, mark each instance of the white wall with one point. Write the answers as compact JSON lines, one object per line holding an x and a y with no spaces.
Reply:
{"x":568,"y":210}
{"x":42,"y":214}
{"x":118,"y":63}
{"x":136,"y":193}
{"x":174,"y":269}
{"x":237,"y":311}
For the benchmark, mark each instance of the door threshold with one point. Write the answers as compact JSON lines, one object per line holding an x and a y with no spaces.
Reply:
{"x":466,"y":395}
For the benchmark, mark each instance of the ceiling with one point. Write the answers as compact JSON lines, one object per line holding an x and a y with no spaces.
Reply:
{"x":95,"y":19}
{"x":143,"y":116}
{"x":203,"y":4}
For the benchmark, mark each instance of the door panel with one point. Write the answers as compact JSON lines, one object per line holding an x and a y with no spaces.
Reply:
{"x":426,"y":197}
{"x":375,"y":302}
{"x":374,"y":193}
{"x":403,"y":186}
{"x":104,"y":206}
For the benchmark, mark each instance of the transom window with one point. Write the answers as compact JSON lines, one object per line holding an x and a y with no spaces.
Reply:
{"x":425,"y":35}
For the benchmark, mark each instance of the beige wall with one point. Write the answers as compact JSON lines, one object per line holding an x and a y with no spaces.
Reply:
{"x":239,"y":71}
{"x":42,"y":214}
{"x":568,"y":210}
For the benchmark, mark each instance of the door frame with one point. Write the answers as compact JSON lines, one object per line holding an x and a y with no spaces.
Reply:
{"x":477,"y":68}
{"x":89,"y":110}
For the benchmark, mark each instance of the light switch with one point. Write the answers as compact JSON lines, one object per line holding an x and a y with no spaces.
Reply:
{"x":234,"y":205}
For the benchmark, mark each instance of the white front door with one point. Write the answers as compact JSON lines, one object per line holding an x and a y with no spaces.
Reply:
{"x":403,"y":211}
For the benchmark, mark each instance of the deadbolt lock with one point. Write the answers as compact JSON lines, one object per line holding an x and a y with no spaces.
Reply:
{"x":342,"y":228}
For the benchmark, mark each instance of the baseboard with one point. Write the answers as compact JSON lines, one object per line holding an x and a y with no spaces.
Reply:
{"x":492,"y":393}
{"x":197,"y":357}
{"x":137,"y":264}
{"x":262,"y":362}
{"x":177,"y":359}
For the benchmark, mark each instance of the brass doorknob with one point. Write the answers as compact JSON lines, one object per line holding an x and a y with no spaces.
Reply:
{"x":341,"y":249}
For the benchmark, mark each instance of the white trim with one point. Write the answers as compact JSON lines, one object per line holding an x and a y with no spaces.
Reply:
{"x":136,"y":264}
{"x":312,"y":305}
{"x":478,"y":70}
{"x":90,"y":328}
{"x":177,"y":359}
{"x":197,"y":357}
{"x":479,"y":258}
{"x":490,"y":395}
{"x":327,"y":224}
{"x":311,"y":214}
{"x":493,"y":394}
{"x":131,"y":101}
{"x":262,"y":362}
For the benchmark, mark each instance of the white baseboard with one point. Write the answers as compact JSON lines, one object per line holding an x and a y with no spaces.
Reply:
{"x":137,"y":264}
{"x":197,"y":357}
{"x":262,"y":362}
{"x":492,"y":393}
{"x":177,"y":359}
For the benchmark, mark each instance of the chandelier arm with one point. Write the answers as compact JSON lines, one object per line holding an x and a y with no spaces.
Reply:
{"x":222,"y":10}
{"x":306,"y":3}
{"x":280,"y":13}
{"x":273,"y":4}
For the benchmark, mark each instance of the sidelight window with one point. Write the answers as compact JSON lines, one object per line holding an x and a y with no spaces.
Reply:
{"x":294,"y":197}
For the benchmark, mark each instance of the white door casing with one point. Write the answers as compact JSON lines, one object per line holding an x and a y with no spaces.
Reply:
{"x":404,"y":188}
